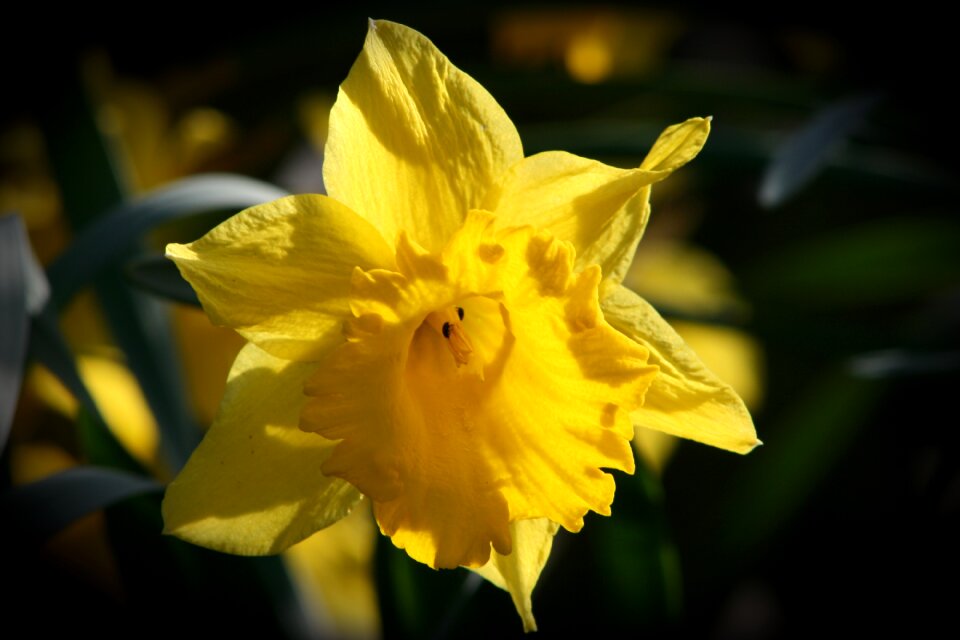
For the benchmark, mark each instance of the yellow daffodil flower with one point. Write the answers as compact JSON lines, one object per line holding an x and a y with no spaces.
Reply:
{"x":445,"y":334}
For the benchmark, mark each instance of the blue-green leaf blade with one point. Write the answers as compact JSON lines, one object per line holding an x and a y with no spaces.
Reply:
{"x":38,"y":510}
{"x":803,"y":154}
{"x":108,"y":239}
{"x":23,"y":291}
{"x":160,"y":276}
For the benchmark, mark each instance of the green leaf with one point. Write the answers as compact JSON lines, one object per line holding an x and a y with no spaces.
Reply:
{"x":49,"y":348}
{"x":173,"y":585}
{"x":23,"y":291}
{"x":140,"y":325}
{"x":806,"y":152}
{"x":110,"y":238}
{"x":89,"y":186}
{"x":636,"y":557}
{"x":35,"y":511}
{"x":160,"y":276}
{"x":801,"y":449}
{"x":879,"y":262}
{"x":137,"y":322}
{"x":464,"y":594}
{"x":419,"y":602}
{"x":101,"y":447}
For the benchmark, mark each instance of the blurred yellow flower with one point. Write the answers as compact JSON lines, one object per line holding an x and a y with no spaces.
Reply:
{"x":445,"y":334}
{"x":592,"y":43}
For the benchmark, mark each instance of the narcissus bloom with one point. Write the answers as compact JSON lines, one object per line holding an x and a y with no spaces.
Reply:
{"x":444,"y":333}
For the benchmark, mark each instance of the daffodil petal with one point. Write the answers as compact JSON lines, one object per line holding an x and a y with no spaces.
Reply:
{"x":254,"y":485}
{"x":601,"y":210}
{"x":686,"y":399}
{"x":677,"y":145}
{"x":519,"y":571}
{"x":558,"y":375}
{"x":449,"y":455}
{"x":735,"y":356}
{"x":414,"y":142}
{"x":279,"y":273}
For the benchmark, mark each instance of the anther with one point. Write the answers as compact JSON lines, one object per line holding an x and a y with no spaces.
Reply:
{"x":447,"y":323}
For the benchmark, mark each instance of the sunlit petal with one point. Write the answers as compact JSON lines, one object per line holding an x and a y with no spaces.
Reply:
{"x":279,"y":273}
{"x":414,"y":142}
{"x":518,"y":572}
{"x":677,"y":145}
{"x":600,"y":209}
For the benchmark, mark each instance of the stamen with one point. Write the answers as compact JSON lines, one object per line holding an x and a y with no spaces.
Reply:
{"x":460,"y":345}
{"x":447,"y":323}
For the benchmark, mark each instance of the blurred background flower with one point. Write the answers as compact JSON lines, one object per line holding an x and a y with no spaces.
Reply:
{"x":809,"y":256}
{"x":331,"y":572}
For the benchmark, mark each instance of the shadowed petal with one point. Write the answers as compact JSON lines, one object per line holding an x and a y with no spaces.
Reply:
{"x":254,"y":484}
{"x":518,"y":572}
{"x":686,"y":399}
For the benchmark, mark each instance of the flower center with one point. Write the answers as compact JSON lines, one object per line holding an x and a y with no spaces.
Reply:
{"x":469,"y":339}
{"x":500,"y":394}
